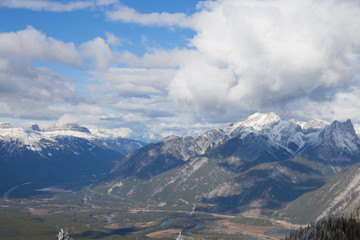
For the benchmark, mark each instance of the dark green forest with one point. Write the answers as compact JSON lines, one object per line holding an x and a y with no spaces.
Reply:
{"x":329,"y":229}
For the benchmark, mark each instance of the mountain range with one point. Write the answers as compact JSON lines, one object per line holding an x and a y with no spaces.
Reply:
{"x":263,"y":163}
{"x":64,"y":154}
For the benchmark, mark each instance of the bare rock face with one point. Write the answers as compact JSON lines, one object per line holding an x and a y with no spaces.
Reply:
{"x":210,"y":139}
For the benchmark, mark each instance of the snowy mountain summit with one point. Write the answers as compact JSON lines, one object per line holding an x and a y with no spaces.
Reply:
{"x":36,"y":139}
{"x":261,"y":121}
{"x":297,"y":137}
{"x":33,"y":138}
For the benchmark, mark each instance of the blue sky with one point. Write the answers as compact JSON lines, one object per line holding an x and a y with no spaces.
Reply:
{"x":161,"y":67}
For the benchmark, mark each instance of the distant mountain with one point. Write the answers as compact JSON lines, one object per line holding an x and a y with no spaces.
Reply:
{"x":261,"y":138}
{"x":261,"y":162}
{"x":65,"y":153}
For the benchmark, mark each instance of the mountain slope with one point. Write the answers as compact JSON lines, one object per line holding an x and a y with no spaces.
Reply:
{"x":339,"y":197}
{"x":337,"y":144}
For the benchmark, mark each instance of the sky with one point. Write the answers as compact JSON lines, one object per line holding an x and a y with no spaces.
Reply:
{"x":161,"y":67}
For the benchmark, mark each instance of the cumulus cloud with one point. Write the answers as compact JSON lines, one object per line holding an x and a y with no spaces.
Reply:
{"x":344,"y":105}
{"x":99,"y":52}
{"x":159,"y":58}
{"x":55,"y":6}
{"x":256,"y":55}
{"x":133,"y":82}
{"x":28,"y":92}
{"x":261,"y":55}
{"x":31,"y":92}
{"x":31,"y":44}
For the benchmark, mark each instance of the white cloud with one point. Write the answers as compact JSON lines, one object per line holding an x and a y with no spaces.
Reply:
{"x":140,"y":82}
{"x":111,"y":39}
{"x":263,"y":55}
{"x":283,"y":56}
{"x":99,"y":52}
{"x":130,"y":15}
{"x":55,"y":6}
{"x":255,"y":55}
{"x":31,"y":44}
{"x":344,"y":105}
{"x":27,"y":91}
{"x":159,"y":58}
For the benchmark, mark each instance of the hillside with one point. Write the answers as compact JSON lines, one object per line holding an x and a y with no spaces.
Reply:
{"x":340,"y":196}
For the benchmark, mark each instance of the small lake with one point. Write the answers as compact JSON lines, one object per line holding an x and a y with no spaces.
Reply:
{"x":199,"y":226}
{"x":165,"y":223}
{"x":109,"y":218}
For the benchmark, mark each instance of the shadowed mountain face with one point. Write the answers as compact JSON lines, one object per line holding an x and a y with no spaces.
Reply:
{"x":262,"y":162}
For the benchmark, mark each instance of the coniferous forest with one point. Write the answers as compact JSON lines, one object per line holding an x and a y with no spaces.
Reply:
{"x":328,"y":229}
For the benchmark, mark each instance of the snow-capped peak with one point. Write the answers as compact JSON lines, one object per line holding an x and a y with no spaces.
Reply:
{"x":111,"y":133}
{"x":260,"y":120}
{"x":315,"y":124}
{"x":67,"y":127}
{"x":9,"y":133}
{"x":357,"y":129}
{"x":34,"y":138}
{"x":338,"y":134}
{"x":256,"y":121}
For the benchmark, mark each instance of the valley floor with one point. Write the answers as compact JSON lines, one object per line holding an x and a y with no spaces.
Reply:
{"x":43,"y":217}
